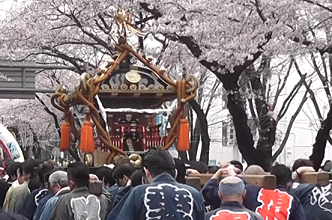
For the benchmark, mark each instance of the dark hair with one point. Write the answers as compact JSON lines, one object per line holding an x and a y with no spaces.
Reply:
{"x":181,"y":168}
{"x":34,"y":183}
{"x":12,"y":168}
{"x":6,"y":163}
{"x":125,"y":169}
{"x":28,"y":167}
{"x":199,"y":166}
{"x":158,"y":161}
{"x":282,"y":173}
{"x":237,"y":164}
{"x":44,"y":168}
{"x":105,"y":174}
{"x":78,"y":172}
{"x":302,"y":163}
{"x":137,"y":177}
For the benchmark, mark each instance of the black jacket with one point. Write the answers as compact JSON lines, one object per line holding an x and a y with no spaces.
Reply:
{"x":10,"y":216}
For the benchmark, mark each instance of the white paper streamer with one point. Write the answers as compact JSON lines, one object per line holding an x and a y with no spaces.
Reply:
{"x":102,"y":111}
{"x":148,"y":111}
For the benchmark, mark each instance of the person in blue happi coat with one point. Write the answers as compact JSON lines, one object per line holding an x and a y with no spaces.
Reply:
{"x":162,"y":198}
{"x":269,"y":204}
{"x":316,"y":200}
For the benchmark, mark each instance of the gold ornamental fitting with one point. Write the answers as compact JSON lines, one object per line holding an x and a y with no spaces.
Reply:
{"x":133,"y":77}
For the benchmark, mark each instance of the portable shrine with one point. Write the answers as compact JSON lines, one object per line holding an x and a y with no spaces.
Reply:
{"x":121,"y":103}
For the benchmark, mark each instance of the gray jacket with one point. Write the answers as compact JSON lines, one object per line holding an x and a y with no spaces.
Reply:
{"x":80,"y":204}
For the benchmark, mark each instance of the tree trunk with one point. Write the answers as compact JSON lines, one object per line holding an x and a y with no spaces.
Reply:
{"x":204,"y":131}
{"x":318,"y":151}
{"x":261,"y":156}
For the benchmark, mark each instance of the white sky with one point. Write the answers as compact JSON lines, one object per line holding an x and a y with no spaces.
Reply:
{"x":4,"y":6}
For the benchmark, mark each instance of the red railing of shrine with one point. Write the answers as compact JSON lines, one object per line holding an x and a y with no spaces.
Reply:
{"x":143,"y":135}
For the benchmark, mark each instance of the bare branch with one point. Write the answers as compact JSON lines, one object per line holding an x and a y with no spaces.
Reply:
{"x":290,"y":125}
{"x":279,"y":90}
{"x":57,"y":125}
{"x":212,"y":95}
{"x":323,"y":79}
{"x":289,"y":99}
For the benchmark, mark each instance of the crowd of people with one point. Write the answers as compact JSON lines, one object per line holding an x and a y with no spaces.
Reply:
{"x":40,"y":190}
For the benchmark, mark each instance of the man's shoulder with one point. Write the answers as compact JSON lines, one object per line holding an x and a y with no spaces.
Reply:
{"x":21,"y":187}
{"x":52,"y":200}
{"x":238,"y":212}
{"x":139,"y":188}
{"x":302,"y":186}
{"x":18,"y":189}
{"x":35,"y":191}
{"x":64,"y":197}
{"x":189,"y":188}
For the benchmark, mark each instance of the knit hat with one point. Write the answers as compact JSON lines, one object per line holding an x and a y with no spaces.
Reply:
{"x":231,"y":186}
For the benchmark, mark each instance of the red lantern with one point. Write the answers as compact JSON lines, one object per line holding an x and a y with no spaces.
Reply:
{"x":183,"y":138}
{"x":65,"y":136}
{"x":87,"y":144}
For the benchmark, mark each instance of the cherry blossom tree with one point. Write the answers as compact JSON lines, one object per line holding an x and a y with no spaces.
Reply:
{"x":229,"y":39}
{"x":315,"y":21}
{"x":36,"y":123}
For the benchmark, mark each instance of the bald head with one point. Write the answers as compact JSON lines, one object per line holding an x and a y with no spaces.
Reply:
{"x":254,"y":170}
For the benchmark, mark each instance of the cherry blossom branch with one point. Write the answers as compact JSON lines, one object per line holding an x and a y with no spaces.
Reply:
{"x":305,"y":42}
{"x":318,"y":4}
{"x":164,"y":43}
{"x":108,"y":27}
{"x":259,"y":10}
{"x":155,"y":13}
{"x":55,"y":53}
{"x":73,"y":17}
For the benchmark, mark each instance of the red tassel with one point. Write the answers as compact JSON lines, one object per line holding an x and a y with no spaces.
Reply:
{"x":87,"y":145}
{"x":65,"y":136}
{"x":183,"y":139}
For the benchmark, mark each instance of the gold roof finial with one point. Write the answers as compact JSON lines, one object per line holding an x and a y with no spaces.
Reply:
{"x":123,"y":21}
